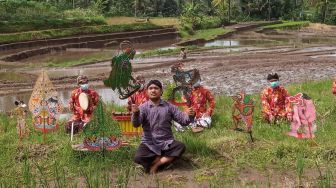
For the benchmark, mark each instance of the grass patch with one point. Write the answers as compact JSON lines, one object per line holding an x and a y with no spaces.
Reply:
{"x":57,"y":33}
{"x":131,"y":20}
{"x":11,"y":76}
{"x":176,"y":51}
{"x":18,"y":16}
{"x":69,"y":58}
{"x":21,"y":26}
{"x":159,"y":52}
{"x":73,"y":61}
{"x":220,"y":156}
{"x":123,"y":20}
{"x":206,"y":34}
{"x":165,"y":21}
{"x":288,"y":25}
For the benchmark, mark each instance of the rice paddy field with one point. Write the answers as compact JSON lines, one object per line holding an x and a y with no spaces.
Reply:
{"x":217,"y":157}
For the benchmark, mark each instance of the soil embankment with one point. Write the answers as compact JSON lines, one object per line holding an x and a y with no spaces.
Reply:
{"x":39,"y":47}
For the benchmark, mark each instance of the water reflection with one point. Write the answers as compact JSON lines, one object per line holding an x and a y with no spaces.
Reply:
{"x":168,"y":48}
{"x":222,"y":43}
{"x":270,"y":41}
{"x":234,"y":43}
{"x":107,"y":94}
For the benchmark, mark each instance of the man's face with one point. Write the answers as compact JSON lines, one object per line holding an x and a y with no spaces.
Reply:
{"x":154,"y":92}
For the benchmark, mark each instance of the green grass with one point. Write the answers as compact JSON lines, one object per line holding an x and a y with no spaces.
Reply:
{"x":17,"y":16}
{"x":87,"y":59}
{"x":219,"y":155}
{"x":50,"y":23}
{"x":159,"y":52}
{"x":57,"y":33}
{"x":167,"y":52}
{"x":131,"y":20}
{"x":12,"y":76}
{"x":69,"y":59}
{"x":206,"y":34}
{"x":288,"y":25}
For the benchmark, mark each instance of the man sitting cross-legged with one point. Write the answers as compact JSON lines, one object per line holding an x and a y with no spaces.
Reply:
{"x":158,"y":146}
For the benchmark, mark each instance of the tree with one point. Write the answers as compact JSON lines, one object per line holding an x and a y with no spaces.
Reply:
{"x":191,"y":15}
{"x":221,"y":5}
{"x":170,"y":8}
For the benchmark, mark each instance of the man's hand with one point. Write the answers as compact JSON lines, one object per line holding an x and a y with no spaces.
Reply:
{"x":206,"y":114}
{"x":191,"y":112}
{"x":135,"y":108}
{"x":271,"y":118}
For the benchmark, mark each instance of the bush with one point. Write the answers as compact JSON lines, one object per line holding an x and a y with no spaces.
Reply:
{"x":209,"y":22}
{"x":188,"y":29}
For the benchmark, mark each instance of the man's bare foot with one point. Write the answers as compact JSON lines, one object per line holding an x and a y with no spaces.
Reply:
{"x":154,"y":168}
{"x":161,"y":161}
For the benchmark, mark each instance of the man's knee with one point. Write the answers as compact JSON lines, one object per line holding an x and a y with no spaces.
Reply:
{"x":138,"y":159}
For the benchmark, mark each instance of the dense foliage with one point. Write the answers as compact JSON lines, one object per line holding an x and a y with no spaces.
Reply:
{"x":19,"y":15}
{"x":23,"y":15}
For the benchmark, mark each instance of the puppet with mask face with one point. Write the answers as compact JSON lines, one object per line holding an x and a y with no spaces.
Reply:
{"x":195,"y":96}
{"x":140,"y":96}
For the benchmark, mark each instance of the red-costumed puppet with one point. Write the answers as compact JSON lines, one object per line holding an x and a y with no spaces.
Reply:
{"x":242,"y":110}
{"x":194,"y":96}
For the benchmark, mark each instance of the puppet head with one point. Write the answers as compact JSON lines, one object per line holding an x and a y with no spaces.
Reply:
{"x":177,"y":67}
{"x":83,"y":81}
{"x":127,"y":48}
{"x":141,"y":81}
{"x":20,"y":104}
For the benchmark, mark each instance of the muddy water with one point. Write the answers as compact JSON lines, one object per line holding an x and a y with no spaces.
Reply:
{"x":234,"y":42}
{"x":76,"y":54}
{"x":108,"y":96}
{"x":155,"y":45}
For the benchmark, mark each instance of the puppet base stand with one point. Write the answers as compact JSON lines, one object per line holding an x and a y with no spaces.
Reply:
{"x":126,"y":126}
{"x":79,"y":147}
{"x":197,"y":129}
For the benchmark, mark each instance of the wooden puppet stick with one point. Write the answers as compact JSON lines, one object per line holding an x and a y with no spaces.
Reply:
{"x":72,"y":131}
